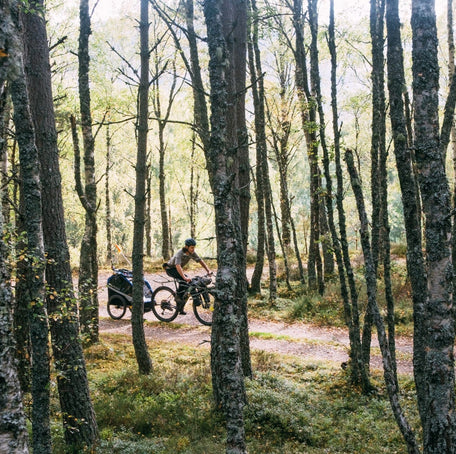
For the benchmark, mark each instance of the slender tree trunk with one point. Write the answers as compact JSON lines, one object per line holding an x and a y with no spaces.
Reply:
{"x":226,"y":360}
{"x":410,"y":202}
{"x":309,"y":118}
{"x":194,"y":191}
{"x":76,"y":407}
{"x":200,"y":114}
{"x":88,"y":266}
{"x":439,"y":424}
{"x":358,"y":371}
{"x":297,"y":253}
{"x":282,"y":247}
{"x":255,"y":283}
{"x":162,"y":194}
{"x":148,"y":221}
{"x":4,"y":123}
{"x":260,"y":130}
{"x":371,"y":283}
{"x":108,"y":198}
{"x":139,"y":340}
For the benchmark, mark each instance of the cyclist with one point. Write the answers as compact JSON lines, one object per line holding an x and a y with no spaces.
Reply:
{"x":174,"y":268}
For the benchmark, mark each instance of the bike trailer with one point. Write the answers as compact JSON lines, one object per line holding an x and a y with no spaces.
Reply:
{"x":121,"y":284}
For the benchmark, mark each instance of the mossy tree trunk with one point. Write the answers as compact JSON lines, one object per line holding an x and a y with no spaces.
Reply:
{"x":358,"y":371}
{"x":13,"y":427}
{"x":308,"y":109}
{"x":226,"y":359}
{"x":88,"y":263}
{"x":263,"y":182}
{"x":437,"y":394}
{"x":76,"y":406}
{"x":371,"y":284}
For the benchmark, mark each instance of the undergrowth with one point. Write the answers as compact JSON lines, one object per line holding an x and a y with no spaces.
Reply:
{"x":298,"y":303}
{"x":294,"y":406}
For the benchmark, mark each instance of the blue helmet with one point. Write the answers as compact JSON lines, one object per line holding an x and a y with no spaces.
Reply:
{"x":190,"y":242}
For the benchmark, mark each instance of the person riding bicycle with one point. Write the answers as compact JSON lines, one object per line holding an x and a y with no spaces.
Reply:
{"x":174,"y":268}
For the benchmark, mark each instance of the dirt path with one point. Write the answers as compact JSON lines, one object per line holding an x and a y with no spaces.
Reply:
{"x":312,"y":343}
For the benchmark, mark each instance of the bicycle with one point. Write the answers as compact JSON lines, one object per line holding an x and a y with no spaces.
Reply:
{"x":200,"y":290}
{"x":120,"y":293}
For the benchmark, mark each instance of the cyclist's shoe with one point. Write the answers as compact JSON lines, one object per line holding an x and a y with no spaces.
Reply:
{"x":180,"y":305}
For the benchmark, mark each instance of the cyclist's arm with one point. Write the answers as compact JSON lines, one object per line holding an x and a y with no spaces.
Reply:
{"x":181,"y":272}
{"x":205,"y":266}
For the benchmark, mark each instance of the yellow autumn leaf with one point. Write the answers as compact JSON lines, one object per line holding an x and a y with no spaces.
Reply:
{"x":3,"y":53}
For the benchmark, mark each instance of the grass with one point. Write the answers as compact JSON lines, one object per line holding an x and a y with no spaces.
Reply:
{"x":300,"y":304}
{"x":294,"y":406}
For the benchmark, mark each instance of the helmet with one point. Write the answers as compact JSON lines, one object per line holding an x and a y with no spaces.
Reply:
{"x":190,"y":242}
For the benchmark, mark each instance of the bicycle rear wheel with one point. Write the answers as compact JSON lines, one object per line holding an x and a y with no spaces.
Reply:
{"x":164,"y":304}
{"x":117,"y":306}
{"x":203,"y":307}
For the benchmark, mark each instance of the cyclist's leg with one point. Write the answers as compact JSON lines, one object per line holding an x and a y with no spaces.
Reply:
{"x":182,"y":285}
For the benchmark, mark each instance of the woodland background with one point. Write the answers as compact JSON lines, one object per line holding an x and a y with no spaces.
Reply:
{"x":225,"y":121}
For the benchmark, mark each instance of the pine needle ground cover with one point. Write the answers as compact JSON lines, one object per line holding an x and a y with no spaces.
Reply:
{"x":294,"y":406}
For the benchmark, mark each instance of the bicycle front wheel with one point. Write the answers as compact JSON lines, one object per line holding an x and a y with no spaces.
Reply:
{"x":203,"y":307}
{"x":164,"y":304}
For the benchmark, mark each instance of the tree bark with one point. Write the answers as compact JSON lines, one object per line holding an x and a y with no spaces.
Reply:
{"x":162,"y":120}
{"x":439,"y":424}
{"x":139,"y":341}
{"x":226,"y":361}
{"x":88,"y":266}
{"x":371,"y":283}
{"x":108,"y":198}
{"x":404,"y":164}
{"x":358,"y":371}
{"x":262,"y":156}
{"x":13,"y":428}
{"x":309,"y":118}
{"x":78,"y":416}
{"x":31,"y":187}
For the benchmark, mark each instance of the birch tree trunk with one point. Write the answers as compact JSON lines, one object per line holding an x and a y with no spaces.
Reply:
{"x":137,"y":321}
{"x":371,"y":284}
{"x":439,"y":423}
{"x":226,"y":361}
{"x":88,"y":266}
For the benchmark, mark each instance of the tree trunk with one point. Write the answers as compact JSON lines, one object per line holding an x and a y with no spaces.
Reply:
{"x":260,"y":131}
{"x":108,"y":199}
{"x":139,"y":340}
{"x":4,"y":123}
{"x":404,"y":164}
{"x":31,"y":187}
{"x":13,"y":427}
{"x":358,"y":371}
{"x":200,"y":114}
{"x":78,"y":416}
{"x":88,"y":266}
{"x":308,"y":117}
{"x":255,"y":283}
{"x":162,"y":120}
{"x":226,"y":361}
{"x":371,"y":283}
{"x":439,"y":424}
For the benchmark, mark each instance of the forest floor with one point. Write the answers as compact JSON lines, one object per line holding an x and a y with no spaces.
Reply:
{"x":315,"y":344}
